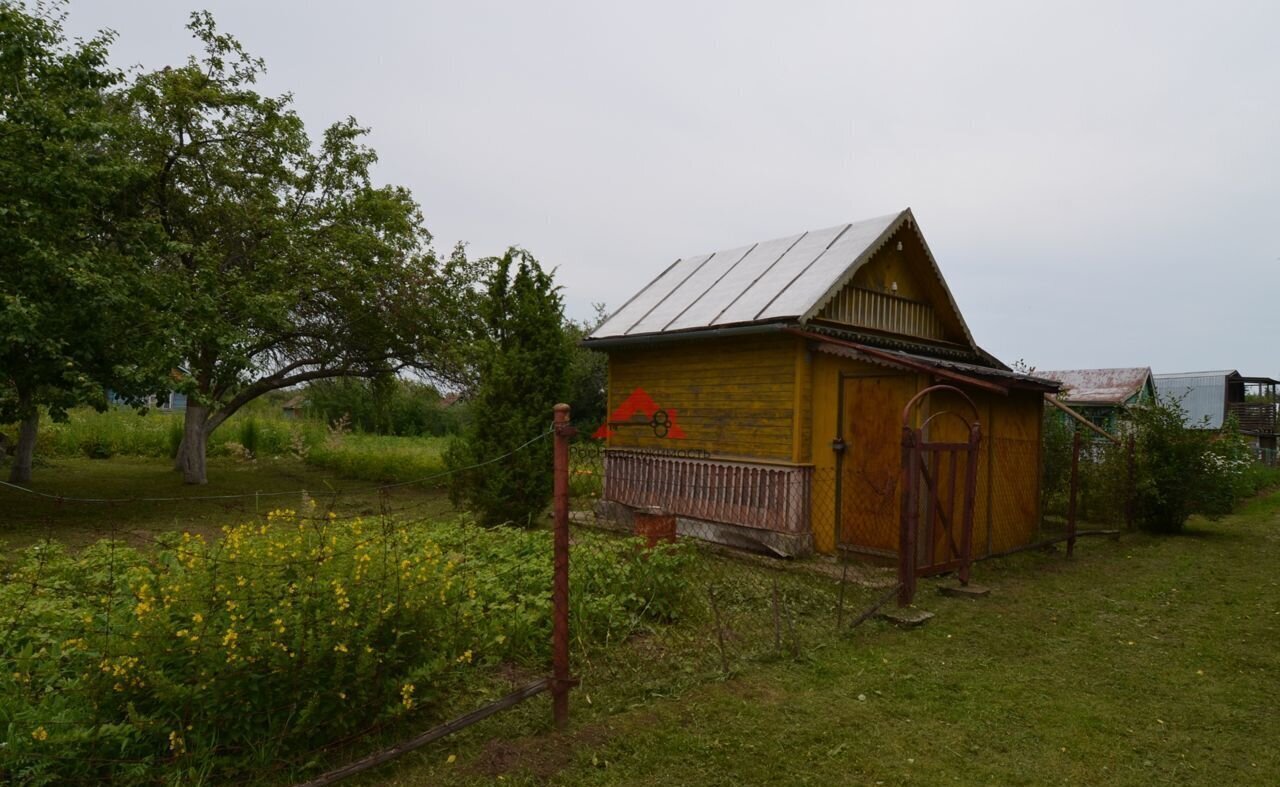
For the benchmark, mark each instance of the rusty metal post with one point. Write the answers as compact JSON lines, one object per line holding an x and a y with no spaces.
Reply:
{"x":1075,"y":491}
{"x":1131,"y":488}
{"x":560,"y":681}
{"x":909,"y":517}
{"x":970,"y":492}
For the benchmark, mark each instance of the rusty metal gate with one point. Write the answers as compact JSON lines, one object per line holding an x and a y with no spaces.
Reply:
{"x":936,"y":532}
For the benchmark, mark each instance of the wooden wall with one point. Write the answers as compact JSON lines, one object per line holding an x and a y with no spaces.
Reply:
{"x":772,"y":399}
{"x":1006,"y":510}
{"x":733,"y":397}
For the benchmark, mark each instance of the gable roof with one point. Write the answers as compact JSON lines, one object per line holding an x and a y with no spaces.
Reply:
{"x":782,"y":280}
{"x":1100,"y":386}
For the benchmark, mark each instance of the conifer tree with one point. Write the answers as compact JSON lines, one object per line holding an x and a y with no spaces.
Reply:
{"x":522,"y":361}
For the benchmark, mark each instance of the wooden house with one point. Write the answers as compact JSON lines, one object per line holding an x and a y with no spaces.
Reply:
{"x":1101,"y":395}
{"x":759,"y":393}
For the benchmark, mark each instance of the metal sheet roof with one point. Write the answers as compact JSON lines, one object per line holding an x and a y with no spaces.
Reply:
{"x":776,"y":280}
{"x":1099,"y":386}
{"x":1203,"y":395}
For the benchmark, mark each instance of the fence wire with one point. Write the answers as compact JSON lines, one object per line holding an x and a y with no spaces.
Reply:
{"x":296,"y":637}
{"x":740,"y":592}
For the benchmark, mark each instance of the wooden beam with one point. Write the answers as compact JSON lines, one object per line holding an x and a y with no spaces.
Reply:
{"x":905,"y":363}
{"x":1080,"y":418}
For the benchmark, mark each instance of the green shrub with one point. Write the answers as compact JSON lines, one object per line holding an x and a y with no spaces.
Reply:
{"x":209,"y":661}
{"x":1177,"y":473}
{"x":249,"y":435}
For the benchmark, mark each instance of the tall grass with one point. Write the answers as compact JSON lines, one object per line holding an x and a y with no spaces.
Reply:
{"x":379,"y":458}
{"x":122,"y":432}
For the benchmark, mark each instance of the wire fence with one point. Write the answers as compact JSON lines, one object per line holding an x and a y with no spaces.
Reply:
{"x":309,"y":633}
{"x":291,"y":639}
{"x":733,"y":602}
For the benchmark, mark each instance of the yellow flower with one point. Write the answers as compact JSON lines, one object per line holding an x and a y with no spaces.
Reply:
{"x":466,"y":656}
{"x":40,"y":734}
{"x":197,"y":618}
{"x":176,"y":744}
{"x":406,"y":695}
{"x":340,"y":648}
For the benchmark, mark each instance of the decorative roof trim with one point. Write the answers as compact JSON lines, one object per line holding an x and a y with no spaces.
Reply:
{"x":905,"y":218}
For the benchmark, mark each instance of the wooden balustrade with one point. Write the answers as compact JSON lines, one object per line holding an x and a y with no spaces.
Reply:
{"x":769,"y":497}
{"x":1257,"y":417}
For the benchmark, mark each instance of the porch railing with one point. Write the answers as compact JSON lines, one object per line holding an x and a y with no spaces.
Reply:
{"x":1258,"y":417}
{"x":768,"y":497}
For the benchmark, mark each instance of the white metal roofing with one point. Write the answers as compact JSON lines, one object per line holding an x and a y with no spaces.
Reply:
{"x":1099,"y":386}
{"x":1203,"y":395}
{"x":785,"y":278}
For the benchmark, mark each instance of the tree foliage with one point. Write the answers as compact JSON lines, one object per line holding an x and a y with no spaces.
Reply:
{"x":76,"y":311}
{"x":285,"y":263}
{"x":522,"y":359}
{"x":588,"y":374}
{"x":384,"y":405}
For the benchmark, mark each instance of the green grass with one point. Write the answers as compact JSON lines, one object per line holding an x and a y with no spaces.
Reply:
{"x":1140,"y":661}
{"x":381,"y":458}
{"x":120,"y":433}
{"x":27,"y":519}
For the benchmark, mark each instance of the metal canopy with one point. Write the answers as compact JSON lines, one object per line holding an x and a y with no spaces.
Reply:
{"x":781,"y":280}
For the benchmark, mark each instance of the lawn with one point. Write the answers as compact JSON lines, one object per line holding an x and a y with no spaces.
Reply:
{"x":1144,"y":660}
{"x":266,"y":484}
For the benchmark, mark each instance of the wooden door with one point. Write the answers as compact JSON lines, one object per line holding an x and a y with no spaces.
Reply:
{"x":869,"y":423}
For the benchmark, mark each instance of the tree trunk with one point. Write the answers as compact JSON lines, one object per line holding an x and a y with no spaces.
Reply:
{"x":26,"y":448}
{"x":191,"y":451}
{"x":180,"y":457}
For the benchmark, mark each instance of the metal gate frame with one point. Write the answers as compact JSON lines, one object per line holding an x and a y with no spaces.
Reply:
{"x":916,"y":453}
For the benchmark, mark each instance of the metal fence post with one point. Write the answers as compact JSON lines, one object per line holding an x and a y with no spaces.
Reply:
{"x":970,"y":492}
{"x":560,"y":681}
{"x":909,"y":519}
{"x":1075,"y":492}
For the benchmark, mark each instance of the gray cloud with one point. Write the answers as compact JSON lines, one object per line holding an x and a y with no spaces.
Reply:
{"x":1097,"y":180}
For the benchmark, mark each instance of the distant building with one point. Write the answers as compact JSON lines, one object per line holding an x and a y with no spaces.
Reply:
{"x":1102,"y":394}
{"x":173,"y":401}
{"x":293,"y":409}
{"x":1209,"y":397}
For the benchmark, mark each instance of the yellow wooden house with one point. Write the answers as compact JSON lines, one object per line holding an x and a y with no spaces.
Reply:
{"x":758,"y":394}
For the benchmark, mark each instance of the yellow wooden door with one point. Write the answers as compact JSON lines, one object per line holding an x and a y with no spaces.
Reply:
{"x":871,"y":462}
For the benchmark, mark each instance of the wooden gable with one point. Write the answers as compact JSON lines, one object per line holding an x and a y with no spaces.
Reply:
{"x":897,"y":290}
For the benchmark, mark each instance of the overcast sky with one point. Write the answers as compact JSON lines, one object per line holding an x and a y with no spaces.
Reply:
{"x":1100,"y":182}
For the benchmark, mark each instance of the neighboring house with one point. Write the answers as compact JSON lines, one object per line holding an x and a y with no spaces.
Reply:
{"x":759,"y":393}
{"x":173,"y":401}
{"x":1209,"y":397}
{"x":1101,"y":395}
{"x":295,"y":408}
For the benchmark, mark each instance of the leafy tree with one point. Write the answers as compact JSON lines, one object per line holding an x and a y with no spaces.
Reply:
{"x":522,"y":360}
{"x":1174,"y":478}
{"x":76,"y":313}
{"x":285,"y":264}
{"x":588,"y":374}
